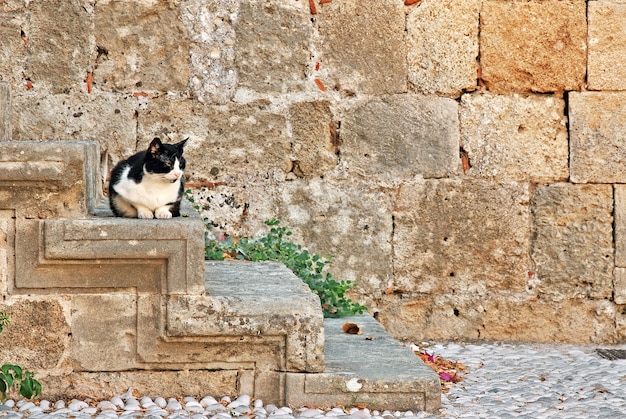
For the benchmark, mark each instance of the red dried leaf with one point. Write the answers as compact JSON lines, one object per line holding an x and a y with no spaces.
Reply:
{"x":312,"y":6}
{"x":320,"y":85}
{"x":411,"y":2}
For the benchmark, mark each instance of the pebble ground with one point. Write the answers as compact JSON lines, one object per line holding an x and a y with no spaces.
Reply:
{"x":501,"y":381}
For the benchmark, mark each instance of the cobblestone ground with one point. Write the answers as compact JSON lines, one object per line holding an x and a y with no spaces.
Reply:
{"x":533,"y":381}
{"x":501,"y":381}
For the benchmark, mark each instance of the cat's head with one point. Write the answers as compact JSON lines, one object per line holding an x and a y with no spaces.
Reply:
{"x":165,"y":160}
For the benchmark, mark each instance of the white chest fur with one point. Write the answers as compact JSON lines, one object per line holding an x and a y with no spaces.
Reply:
{"x":152,"y":192}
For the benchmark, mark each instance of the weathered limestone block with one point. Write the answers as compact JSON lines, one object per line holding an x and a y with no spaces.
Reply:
{"x":36,"y":337}
{"x":514,"y":137}
{"x":597,"y":126}
{"x":502,"y":317}
{"x":606,"y":69}
{"x":536,"y":46}
{"x":46,"y":180}
{"x":106,"y":118}
{"x":104,"y":339}
{"x":351,"y":222}
{"x":104,"y":385}
{"x":229,"y":141}
{"x":5,"y":112}
{"x":461,"y":236}
{"x":59,"y":45}
{"x":398,"y":137}
{"x":620,"y":225}
{"x":315,"y":138}
{"x":362,"y":48}
{"x":442,"y":39}
{"x":108,"y":251}
{"x":233,"y":307}
{"x":146,"y":48}
{"x":7,"y":240}
{"x":280,"y":62}
{"x":13,"y":50}
{"x":572,"y":245}
{"x":619,"y":286}
{"x":213,"y":77}
{"x":403,"y":382}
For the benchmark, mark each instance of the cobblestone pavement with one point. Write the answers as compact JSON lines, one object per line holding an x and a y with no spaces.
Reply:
{"x":501,"y":381}
{"x":533,"y":381}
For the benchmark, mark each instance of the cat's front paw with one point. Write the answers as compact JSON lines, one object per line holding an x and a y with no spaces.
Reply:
{"x":145,"y":214}
{"x":163,"y":213}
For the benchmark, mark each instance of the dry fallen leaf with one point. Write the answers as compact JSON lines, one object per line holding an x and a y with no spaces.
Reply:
{"x":352,"y":328}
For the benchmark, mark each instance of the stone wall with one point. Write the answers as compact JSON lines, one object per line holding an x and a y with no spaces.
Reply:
{"x":462,"y":159}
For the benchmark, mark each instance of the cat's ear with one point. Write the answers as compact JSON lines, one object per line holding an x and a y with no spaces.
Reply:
{"x":155,"y":147}
{"x":180,"y":145}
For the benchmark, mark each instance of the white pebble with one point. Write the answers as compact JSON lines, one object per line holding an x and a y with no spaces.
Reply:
{"x":59,"y":404}
{"x":173,"y":404}
{"x":117,"y":400}
{"x":45,"y":405}
{"x":258,"y":403}
{"x":283,"y":411}
{"x":310,"y":413}
{"x":216,"y":407}
{"x":270,"y":408}
{"x":76,"y":405}
{"x":194,"y":407}
{"x":207,"y":401}
{"x":189,"y":399}
{"x":146,"y":400}
{"x":132,"y":405}
{"x":106,"y":405}
{"x":160,"y":401}
{"x":24,"y":406}
{"x":107,"y":414}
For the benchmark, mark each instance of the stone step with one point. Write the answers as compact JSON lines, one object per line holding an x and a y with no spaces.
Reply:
{"x":369,"y":369}
{"x":143,"y":307}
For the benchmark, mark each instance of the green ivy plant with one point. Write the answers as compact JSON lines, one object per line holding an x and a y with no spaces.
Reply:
{"x":309,"y":267}
{"x":14,"y":376}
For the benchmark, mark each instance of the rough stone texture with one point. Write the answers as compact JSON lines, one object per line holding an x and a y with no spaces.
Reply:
{"x":106,"y":342}
{"x":36,"y":336}
{"x":620,"y":225}
{"x":397,"y":137}
{"x":108,"y":119}
{"x":350,"y":222}
{"x":315,"y":139}
{"x":5,"y":112}
{"x":59,"y":45}
{"x":232,"y":141}
{"x":44,"y":180}
{"x":109,"y":251}
{"x":515,"y":138}
{"x":500,"y":316}
{"x":13,"y":51}
{"x":619,"y":285}
{"x":7,"y":239}
{"x":104,"y":385}
{"x":146,"y":49}
{"x":573,"y":241}
{"x":414,"y":386}
{"x":442,"y":39}
{"x":213,"y":75}
{"x":281,"y":61}
{"x":362,"y":49}
{"x":536,"y":46}
{"x":233,"y":307}
{"x":607,"y":45}
{"x":454,"y":236}
{"x":597,"y":125}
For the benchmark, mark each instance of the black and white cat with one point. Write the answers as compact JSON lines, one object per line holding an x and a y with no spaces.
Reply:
{"x":150,"y":183}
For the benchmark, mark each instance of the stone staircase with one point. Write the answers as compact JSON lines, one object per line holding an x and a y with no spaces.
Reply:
{"x":141,"y":308}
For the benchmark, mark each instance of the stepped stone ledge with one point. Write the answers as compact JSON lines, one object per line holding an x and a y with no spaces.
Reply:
{"x":135,"y":304}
